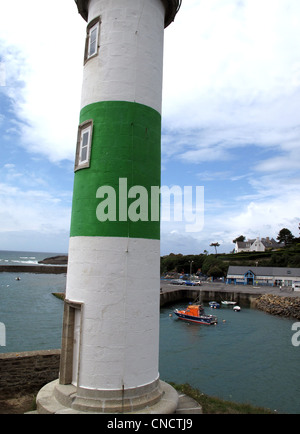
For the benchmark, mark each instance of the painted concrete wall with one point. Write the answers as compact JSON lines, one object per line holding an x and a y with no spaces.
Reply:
{"x":130,"y":62}
{"x":117,"y":279}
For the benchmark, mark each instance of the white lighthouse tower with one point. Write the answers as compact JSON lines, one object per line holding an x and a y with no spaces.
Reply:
{"x":110,"y":345}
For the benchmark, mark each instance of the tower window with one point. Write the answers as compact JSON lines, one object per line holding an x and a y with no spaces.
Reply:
{"x":84,"y":141}
{"x":92,"y":39}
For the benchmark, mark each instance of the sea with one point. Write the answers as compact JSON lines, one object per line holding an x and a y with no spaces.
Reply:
{"x":248,"y":357}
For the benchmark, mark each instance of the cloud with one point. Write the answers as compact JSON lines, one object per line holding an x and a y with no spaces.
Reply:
{"x":36,"y":210}
{"x":231,"y":104}
{"x":233,"y":78}
{"x":43,"y":74}
{"x":33,"y":210}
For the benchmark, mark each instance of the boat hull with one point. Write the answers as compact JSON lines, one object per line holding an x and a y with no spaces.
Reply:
{"x":214,"y":305}
{"x":228,"y":303}
{"x":203,"y":319}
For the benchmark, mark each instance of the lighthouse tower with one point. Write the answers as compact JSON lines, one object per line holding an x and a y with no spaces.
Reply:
{"x":110,"y":344}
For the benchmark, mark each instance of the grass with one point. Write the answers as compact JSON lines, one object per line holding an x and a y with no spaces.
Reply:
{"x":59,"y":295}
{"x":213,"y":405}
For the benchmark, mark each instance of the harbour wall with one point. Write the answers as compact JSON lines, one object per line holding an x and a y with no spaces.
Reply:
{"x":206,"y":295}
{"x":35,"y":269}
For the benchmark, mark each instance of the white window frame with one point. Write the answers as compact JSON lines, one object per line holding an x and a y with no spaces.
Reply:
{"x":94,"y":25}
{"x":84,"y":128}
{"x":94,"y":29}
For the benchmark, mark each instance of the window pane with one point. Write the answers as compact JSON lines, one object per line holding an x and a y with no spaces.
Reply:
{"x":92,"y":48}
{"x":83,"y":156}
{"x":93,"y":41}
{"x":84,"y":142}
{"x":94,"y":34}
{"x":85,"y":139}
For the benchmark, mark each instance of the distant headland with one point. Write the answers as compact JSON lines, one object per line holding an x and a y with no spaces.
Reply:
{"x":55,"y":260}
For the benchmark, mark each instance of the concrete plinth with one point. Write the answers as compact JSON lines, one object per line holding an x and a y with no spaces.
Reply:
{"x":55,"y":398}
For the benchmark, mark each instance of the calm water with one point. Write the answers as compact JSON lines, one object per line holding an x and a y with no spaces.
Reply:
{"x":31,"y":314}
{"x":248,"y":358}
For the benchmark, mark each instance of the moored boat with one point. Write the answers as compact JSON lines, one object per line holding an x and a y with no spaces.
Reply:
{"x":195,"y":313}
{"x":228,"y":303}
{"x":214,"y":304}
{"x":236,"y":308}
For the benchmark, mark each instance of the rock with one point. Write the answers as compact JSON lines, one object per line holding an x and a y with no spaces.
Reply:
{"x":288,"y":307}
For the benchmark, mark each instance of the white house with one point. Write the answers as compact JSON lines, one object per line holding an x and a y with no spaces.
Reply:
{"x":256,"y":245}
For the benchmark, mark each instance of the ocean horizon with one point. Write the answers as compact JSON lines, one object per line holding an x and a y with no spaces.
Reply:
{"x":14,"y":257}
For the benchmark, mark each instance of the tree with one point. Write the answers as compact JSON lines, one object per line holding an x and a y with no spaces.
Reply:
{"x":240,"y":238}
{"x":213,"y":266}
{"x":285,"y":236}
{"x":215,"y":245}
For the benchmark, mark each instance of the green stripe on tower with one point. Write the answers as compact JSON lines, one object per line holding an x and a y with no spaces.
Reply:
{"x":126,"y":144}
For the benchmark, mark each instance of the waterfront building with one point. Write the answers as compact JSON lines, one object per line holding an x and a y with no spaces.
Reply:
{"x":258,"y":276}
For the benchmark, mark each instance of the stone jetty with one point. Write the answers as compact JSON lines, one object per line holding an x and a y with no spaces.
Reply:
{"x":288,"y":307}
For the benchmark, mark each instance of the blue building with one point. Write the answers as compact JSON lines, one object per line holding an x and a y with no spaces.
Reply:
{"x":262,"y":276}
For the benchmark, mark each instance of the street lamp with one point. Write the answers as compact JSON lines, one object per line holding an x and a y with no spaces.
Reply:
{"x":191,"y":262}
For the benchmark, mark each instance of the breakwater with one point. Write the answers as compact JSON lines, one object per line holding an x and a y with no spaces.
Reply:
{"x":287,"y":307}
{"x":35,"y":269}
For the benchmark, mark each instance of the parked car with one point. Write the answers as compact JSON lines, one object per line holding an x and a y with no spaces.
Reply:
{"x":177,"y":282}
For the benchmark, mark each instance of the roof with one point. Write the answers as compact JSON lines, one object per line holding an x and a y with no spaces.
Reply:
{"x":267,"y":242}
{"x":264,"y":271}
{"x":171,"y":6}
{"x":244,"y":244}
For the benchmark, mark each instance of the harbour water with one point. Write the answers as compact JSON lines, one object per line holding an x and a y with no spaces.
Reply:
{"x":31,"y":314}
{"x":247,"y":357}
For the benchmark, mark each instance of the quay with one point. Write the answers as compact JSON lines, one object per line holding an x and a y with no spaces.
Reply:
{"x":245,"y":295}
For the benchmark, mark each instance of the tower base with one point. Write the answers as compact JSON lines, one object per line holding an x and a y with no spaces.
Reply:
{"x":55,"y":398}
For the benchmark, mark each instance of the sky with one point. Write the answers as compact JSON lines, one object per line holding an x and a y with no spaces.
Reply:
{"x":230,"y":120}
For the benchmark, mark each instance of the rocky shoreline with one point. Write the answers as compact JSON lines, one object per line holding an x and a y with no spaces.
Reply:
{"x":287,"y":307}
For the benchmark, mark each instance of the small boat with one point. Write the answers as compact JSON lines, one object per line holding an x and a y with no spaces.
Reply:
{"x":214,"y":304}
{"x":228,"y":303}
{"x":236,"y":308}
{"x":195,"y":313}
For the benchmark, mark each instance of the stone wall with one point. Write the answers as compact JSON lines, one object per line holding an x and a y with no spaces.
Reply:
{"x":184,"y":294}
{"x":27,"y":372}
{"x":36,"y":269}
{"x":288,"y":307}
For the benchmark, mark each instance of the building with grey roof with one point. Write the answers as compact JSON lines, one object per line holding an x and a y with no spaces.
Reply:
{"x":258,"y":276}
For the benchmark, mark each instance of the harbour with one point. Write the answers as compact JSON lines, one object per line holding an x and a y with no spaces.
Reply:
{"x":247,"y":357}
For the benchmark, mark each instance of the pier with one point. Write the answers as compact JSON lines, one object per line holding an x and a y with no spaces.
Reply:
{"x":36,"y":269}
{"x":244,"y":295}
